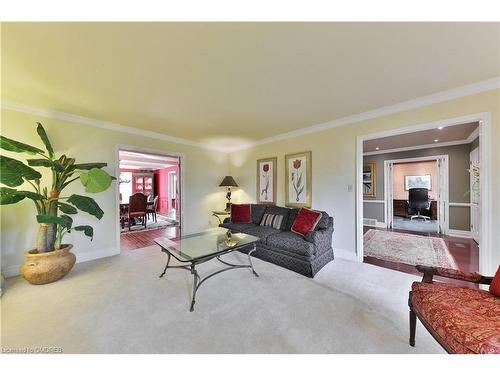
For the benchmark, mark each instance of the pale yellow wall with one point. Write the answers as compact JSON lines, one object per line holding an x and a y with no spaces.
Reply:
{"x":203,"y":171}
{"x":334,"y":162}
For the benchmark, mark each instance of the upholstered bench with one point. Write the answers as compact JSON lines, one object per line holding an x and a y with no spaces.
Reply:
{"x":462,"y":319}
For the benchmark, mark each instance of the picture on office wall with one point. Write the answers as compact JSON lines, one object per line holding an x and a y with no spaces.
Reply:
{"x":266,"y":181}
{"x":298,"y":179}
{"x":423,"y":181}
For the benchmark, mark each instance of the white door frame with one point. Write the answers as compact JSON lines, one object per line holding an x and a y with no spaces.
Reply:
{"x":442,"y":195}
{"x":146,"y":150}
{"x":486,"y":265}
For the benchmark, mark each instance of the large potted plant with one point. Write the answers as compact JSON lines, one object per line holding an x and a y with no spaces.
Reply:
{"x":50,"y":260}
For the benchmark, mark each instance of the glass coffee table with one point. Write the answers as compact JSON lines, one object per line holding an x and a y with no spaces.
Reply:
{"x":197,"y":248}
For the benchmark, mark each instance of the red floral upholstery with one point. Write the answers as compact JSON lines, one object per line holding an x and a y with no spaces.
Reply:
{"x":495,"y":284}
{"x":305,"y":221}
{"x":466,"y":320}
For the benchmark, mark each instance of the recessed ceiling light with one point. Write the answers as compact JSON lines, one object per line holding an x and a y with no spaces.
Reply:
{"x":377,"y":148}
{"x":436,"y":140}
{"x":441,"y":127}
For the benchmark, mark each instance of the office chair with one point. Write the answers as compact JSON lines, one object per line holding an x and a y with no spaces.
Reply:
{"x":418,"y":199}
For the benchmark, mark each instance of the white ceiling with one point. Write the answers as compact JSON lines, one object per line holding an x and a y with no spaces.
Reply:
{"x":138,"y":160}
{"x":464,"y":133}
{"x":227,"y":84}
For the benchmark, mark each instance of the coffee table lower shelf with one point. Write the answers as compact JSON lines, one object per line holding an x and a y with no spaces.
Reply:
{"x":197,"y":281}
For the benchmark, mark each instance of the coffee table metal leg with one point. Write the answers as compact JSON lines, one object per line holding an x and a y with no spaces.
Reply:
{"x":166,"y":266}
{"x":196,"y":280}
{"x":250,"y":260}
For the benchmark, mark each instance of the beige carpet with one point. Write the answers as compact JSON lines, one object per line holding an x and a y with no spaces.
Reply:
{"x":119,"y":305}
{"x":408,"y":248}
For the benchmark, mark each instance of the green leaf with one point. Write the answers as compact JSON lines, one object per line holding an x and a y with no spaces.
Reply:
{"x":88,"y":166}
{"x":13,"y":171}
{"x":86,"y":229}
{"x":67,"y":208}
{"x":15,"y":146}
{"x":95,"y":180}
{"x":10,"y":196}
{"x":40,"y":163}
{"x":67,"y":221}
{"x":86,"y":204}
{"x":43,"y":135}
{"x":32,"y":195}
{"x":49,"y":219}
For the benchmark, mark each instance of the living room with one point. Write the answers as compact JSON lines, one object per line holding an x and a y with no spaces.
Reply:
{"x":202,"y":115}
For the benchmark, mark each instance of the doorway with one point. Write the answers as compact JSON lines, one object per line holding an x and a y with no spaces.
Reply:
{"x":451,"y":211}
{"x":149,"y":197}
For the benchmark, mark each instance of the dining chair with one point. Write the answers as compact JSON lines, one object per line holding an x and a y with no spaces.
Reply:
{"x":137,"y":209}
{"x":152,"y":208}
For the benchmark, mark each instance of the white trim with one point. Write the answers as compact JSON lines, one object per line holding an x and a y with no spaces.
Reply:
{"x":86,"y":256}
{"x":419,"y":147}
{"x":442,"y":96}
{"x":486,"y":261}
{"x":13,"y":106}
{"x":373,"y":201}
{"x":345,"y":254}
{"x":457,"y":204}
{"x":460,"y":233}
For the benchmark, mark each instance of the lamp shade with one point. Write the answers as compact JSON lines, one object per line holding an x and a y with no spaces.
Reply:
{"x":228,"y":181}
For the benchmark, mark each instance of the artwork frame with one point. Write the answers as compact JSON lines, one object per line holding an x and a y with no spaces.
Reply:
{"x":418,"y":181}
{"x":370,"y":180}
{"x":266,"y":180}
{"x":297,"y":192}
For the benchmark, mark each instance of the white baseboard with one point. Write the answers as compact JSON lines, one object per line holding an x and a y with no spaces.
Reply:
{"x":377,"y":224}
{"x":460,"y":233}
{"x":12,"y":271}
{"x":345,"y":254}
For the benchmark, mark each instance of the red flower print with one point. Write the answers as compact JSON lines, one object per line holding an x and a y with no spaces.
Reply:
{"x":265,"y":167}
{"x":297,"y":163}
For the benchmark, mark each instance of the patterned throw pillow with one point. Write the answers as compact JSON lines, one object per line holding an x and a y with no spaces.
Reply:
{"x":306,"y":221}
{"x":271,"y":220}
{"x":495,"y":284}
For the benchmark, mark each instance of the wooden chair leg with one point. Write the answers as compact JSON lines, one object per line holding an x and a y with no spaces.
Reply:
{"x":413,"y":326}
{"x":145,"y":220}
{"x":129,"y":221}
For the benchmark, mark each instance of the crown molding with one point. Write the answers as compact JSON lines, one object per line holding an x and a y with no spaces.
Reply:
{"x":442,"y":96}
{"x":473,"y":135}
{"x":419,"y":147}
{"x":475,"y":88}
{"x":56,"y":115}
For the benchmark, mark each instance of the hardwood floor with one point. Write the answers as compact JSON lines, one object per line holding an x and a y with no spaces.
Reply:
{"x":137,"y":240}
{"x":465,"y":251}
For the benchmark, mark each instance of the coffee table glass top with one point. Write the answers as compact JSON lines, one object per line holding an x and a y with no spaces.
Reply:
{"x":200,"y":245}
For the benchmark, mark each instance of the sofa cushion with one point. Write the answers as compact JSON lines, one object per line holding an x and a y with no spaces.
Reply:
{"x":277,"y":210}
{"x":257,"y":212}
{"x":292,"y":242}
{"x":291,"y":218}
{"x":495,"y":284}
{"x":466,"y":320}
{"x":323,"y":221}
{"x":237,"y":226}
{"x":241,"y":213}
{"x":261,"y":232}
{"x":306,"y":221}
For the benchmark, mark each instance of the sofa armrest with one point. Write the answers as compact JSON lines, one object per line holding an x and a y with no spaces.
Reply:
{"x":321,"y":237}
{"x":474,"y":277}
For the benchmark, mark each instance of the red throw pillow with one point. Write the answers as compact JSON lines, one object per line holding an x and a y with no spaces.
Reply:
{"x":495,"y":284}
{"x":241,"y":213}
{"x":305,"y":221}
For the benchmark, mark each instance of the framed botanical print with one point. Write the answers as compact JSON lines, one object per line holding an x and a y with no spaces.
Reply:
{"x":298,"y":187}
{"x":369,"y":180}
{"x":266,"y":180}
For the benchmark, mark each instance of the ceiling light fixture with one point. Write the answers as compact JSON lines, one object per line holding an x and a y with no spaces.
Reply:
{"x":436,"y":140}
{"x":377,"y":148}
{"x":441,"y":128}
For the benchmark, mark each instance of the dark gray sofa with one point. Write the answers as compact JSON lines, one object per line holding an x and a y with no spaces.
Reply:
{"x":284,"y":247}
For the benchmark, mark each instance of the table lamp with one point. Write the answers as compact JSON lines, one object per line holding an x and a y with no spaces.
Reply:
{"x":228,"y":182}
